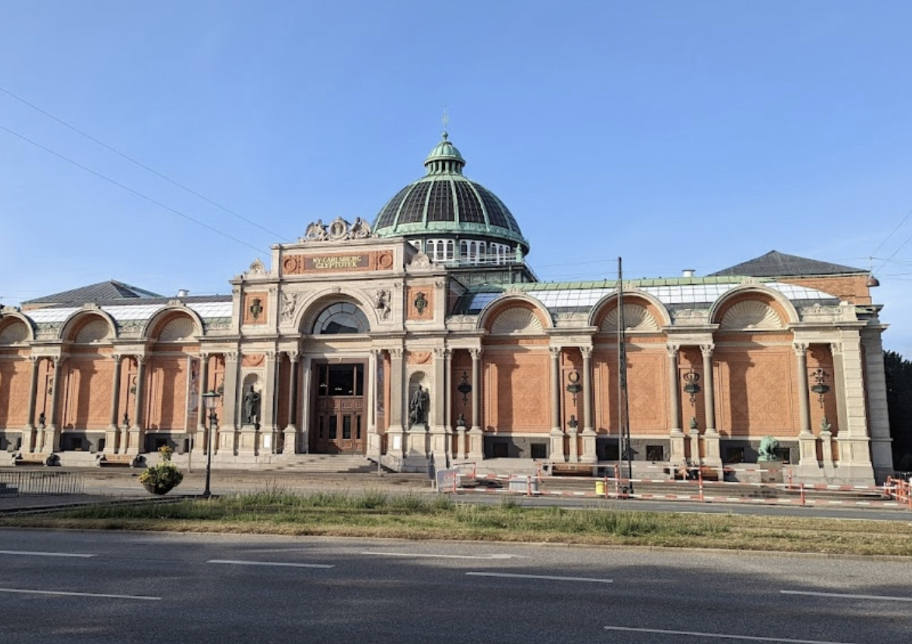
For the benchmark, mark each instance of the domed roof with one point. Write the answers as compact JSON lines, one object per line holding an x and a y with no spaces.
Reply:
{"x":446,"y":202}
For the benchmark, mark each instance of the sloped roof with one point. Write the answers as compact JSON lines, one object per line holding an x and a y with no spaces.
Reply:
{"x":776,"y":264}
{"x":101,"y":292}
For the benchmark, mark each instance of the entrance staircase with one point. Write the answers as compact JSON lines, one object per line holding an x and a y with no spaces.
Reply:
{"x":322,"y":463}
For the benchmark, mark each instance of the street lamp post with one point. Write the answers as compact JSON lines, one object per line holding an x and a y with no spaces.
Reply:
{"x":211,"y":400}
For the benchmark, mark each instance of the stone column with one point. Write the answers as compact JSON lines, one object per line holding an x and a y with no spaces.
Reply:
{"x":854,"y":442}
{"x":448,"y":400}
{"x":476,"y":435}
{"x":557,"y":433}
{"x":438,"y":429}
{"x":711,"y":441}
{"x":374,"y":438}
{"x":51,"y":435}
{"x":675,"y":434}
{"x":806,"y":440}
{"x":590,"y":454}
{"x":875,"y":379}
{"x":269,"y":401}
{"x":227,"y":430}
{"x":28,"y":433}
{"x":112,"y":433}
{"x":201,"y":434}
{"x":305,"y":411}
{"x":135,"y":433}
{"x":290,"y":432}
{"x":396,"y":445}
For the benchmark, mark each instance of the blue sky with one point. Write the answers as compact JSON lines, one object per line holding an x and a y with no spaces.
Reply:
{"x":676,"y":134}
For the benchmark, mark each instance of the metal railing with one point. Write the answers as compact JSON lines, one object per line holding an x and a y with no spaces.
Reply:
{"x":41,"y":483}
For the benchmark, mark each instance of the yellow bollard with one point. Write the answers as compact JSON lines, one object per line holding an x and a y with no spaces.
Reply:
{"x":600,"y":488}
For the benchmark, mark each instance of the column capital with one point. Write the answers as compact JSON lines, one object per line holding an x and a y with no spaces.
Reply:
{"x":800,"y":349}
{"x":293,"y":356}
{"x":230,"y":356}
{"x":672,"y":348}
{"x":707,"y":350}
{"x":555,"y":351}
{"x":586,"y":351}
{"x":396,"y":353}
{"x":117,"y":357}
{"x":441,"y":352}
{"x":836,"y":348}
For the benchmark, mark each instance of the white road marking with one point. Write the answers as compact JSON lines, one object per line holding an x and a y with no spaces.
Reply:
{"x":549,"y":577}
{"x":45,"y":554}
{"x":752,"y":638}
{"x":69,"y":594}
{"x":268,"y":563}
{"x":847,"y":596}
{"x":410,"y":554}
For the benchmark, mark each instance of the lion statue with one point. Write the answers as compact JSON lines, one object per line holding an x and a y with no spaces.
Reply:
{"x":769,"y":448}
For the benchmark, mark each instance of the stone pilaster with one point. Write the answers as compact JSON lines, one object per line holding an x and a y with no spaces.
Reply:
{"x":807,"y":443}
{"x":28,"y":432}
{"x":201,"y":435}
{"x":50,"y":440}
{"x":476,"y":435}
{"x":854,"y":442}
{"x":112,"y":433}
{"x":290,"y":432}
{"x":227,"y":430}
{"x":712,"y":450}
{"x":675,"y":433}
{"x":589,"y":454}
{"x":557,"y":433}
{"x":396,"y":434}
{"x":135,"y":433}
{"x":438,"y":431}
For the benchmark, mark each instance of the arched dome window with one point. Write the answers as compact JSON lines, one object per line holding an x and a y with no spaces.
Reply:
{"x":341,"y":317}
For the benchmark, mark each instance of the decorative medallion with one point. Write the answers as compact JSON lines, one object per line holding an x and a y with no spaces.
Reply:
{"x":421,"y":303}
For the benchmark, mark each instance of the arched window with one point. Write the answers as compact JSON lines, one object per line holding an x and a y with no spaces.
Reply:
{"x":341,"y":317}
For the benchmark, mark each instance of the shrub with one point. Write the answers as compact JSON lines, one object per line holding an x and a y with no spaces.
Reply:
{"x":164,"y":476}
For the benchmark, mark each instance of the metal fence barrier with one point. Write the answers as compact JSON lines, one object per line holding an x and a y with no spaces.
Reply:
{"x":41,"y":483}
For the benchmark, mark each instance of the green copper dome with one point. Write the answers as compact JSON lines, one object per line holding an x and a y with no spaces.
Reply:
{"x":444,"y":203}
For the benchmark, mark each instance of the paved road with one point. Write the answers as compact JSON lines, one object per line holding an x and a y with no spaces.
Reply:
{"x":133,"y":588}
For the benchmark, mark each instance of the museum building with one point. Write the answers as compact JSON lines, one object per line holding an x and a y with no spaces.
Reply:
{"x":426,"y":335}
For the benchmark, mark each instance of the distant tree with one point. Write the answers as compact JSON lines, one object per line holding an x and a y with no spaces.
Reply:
{"x":899,"y":408}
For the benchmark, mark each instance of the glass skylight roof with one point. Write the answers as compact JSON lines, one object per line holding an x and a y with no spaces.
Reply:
{"x":206,"y":310}
{"x":681,"y":294}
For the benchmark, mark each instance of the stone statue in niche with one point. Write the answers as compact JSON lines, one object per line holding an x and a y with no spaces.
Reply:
{"x":289,"y":303}
{"x":418,"y":406}
{"x":251,"y":406}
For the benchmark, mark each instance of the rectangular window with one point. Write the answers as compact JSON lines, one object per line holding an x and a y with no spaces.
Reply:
{"x":346,"y":427}
{"x":358,"y":427}
{"x":333,"y":431}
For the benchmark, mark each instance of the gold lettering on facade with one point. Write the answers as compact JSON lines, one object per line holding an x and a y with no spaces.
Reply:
{"x":342,"y":261}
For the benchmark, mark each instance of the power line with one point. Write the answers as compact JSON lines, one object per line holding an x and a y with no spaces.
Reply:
{"x":905,"y":219}
{"x":141,"y":164}
{"x":130,"y":190}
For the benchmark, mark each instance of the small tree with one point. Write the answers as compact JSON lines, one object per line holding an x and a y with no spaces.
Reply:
{"x":898,"y":374}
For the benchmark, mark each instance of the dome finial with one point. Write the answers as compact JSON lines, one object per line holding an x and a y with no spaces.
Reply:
{"x":446,"y":121}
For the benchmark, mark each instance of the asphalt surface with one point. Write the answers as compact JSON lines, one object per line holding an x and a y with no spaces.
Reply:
{"x":134,"y":588}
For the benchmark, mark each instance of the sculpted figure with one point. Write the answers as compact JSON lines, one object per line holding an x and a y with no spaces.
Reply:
{"x":251,"y":406}
{"x":418,"y":406}
{"x":316,"y":231}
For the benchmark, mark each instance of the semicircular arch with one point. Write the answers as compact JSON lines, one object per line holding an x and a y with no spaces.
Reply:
{"x":753,"y":306}
{"x":642,"y":312}
{"x":89,"y":326}
{"x":516,"y":313}
{"x":16,"y":328}
{"x":352,"y":307}
{"x":174,"y":324}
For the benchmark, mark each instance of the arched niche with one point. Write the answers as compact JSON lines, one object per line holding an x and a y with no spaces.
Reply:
{"x":14,"y":330}
{"x":515,"y":315}
{"x":174,"y":326}
{"x":642,"y":314}
{"x":752,"y":309}
{"x":95,"y":327}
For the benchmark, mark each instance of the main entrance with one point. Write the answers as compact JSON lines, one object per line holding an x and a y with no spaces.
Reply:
{"x":339,"y":422}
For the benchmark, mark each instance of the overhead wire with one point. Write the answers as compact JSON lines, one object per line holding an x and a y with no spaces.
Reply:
{"x":131,"y":190}
{"x":141,"y":164}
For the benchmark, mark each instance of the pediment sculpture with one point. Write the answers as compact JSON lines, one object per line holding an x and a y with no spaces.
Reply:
{"x":337,"y":230}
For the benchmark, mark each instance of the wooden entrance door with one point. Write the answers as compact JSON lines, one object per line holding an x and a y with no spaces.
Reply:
{"x":339,"y":422}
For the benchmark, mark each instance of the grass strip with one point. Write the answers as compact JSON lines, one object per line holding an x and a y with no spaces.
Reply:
{"x":378,"y":514}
